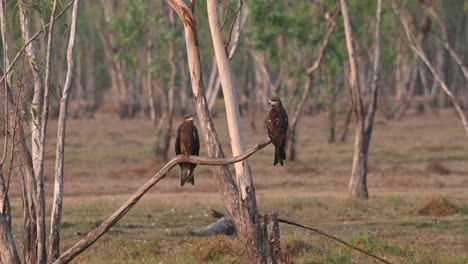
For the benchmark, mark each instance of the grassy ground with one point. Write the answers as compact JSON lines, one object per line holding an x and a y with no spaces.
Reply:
{"x":417,"y":212}
{"x":389,"y":225}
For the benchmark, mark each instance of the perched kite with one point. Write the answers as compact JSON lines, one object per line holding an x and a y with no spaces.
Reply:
{"x":187,"y":143}
{"x":425,"y":25}
{"x":276,"y":123}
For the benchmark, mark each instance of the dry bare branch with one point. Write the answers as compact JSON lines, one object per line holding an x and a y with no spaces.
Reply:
{"x":419,"y":51}
{"x":310,"y":72}
{"x":96,"y":233}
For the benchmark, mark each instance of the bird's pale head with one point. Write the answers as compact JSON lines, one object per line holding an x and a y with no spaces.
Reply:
{"x":188,"y":117}
{"x":274,"y":102}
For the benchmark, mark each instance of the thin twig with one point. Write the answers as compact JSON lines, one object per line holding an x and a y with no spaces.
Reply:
{"x":225,"y":14}
{"x":334,"y":238}
{"x":226,"y":42}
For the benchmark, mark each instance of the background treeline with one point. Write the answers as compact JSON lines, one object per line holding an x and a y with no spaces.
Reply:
{"x":131,"y":58}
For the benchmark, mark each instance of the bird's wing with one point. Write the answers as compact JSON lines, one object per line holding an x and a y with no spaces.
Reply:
{"x":269,"y":123}
{"x":177,"y":142}
{"x":196,"y":142}
{"x":285,"y":121}
{"x":284,"y":126}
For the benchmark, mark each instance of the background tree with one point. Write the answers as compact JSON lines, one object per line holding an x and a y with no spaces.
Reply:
{"x":363,"y":125}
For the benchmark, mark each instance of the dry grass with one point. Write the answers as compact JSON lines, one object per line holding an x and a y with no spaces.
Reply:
{"x":421,"y":156}
{"x":438,"y":206}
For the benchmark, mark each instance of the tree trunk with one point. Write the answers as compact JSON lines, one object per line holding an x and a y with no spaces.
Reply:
{"x":90,"y":90}
{"x":292,"y":133}
{"x":248,"y":224}
{"x":8,"y":252}
{"x":122,"y":89}
{"x":56,"y":217}
{"x":349,"y":114}
{"x":38,"y":92}
{"x":149,"y":81}
{"x":40,"y":208}
{"x":409,"y":88}
{"x":331,"y":119}
{"x":28,"y":181}
{"x":170,"y":94}
{"x":363,"y":127}
{"x":163,"y":130}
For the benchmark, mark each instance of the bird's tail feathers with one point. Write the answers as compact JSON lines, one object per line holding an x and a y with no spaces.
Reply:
{"x":280,"y":155}
{"x":187,"y":175}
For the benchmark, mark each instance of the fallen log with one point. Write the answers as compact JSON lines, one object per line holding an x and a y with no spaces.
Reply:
{"x":222,"y":226}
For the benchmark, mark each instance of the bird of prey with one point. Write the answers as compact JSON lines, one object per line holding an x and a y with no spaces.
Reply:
{"x":187,"y":143}
{"x":276,"y":123}
{"x":425,"y":25}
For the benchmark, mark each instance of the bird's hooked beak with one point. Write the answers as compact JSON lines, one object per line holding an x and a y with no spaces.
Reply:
{"x":270,"y":103}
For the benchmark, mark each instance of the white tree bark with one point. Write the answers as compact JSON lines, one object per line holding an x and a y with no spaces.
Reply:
{"x":214,"y":84}
{"x":40,"y":208}
{"x":56,"y":216}
{"x":38,"y":91}
{"x":247,"y":226}
{"x":243,"y":174}
{"x":358,"y":182}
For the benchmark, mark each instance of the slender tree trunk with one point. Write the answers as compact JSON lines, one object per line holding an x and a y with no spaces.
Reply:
{"x":349,"y":114}
{"x":8,"y":252}
{"x":184,"y":84}
{"x":292,"y":133}
{"x":445,"y":42}
{"x":214,"y":93}
{"x":124,"y":91}
{"x":170,"y":95}
{"x":40,"y":209}
{"x":212,"y":80}
{"x":56,"y":217}
{"x":23,"y":156}
{"x":214,"y":83}
{"x":149,"y":81}
{"x":34,"y":238}
{"x":399,"y":73}
{"x":38,"y":91}
{"x":363,"y":127}
{"x":331,"y":118}
{"x":90,"y":90}
{"x":409,"y":88}
{"x":249,"y":226}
